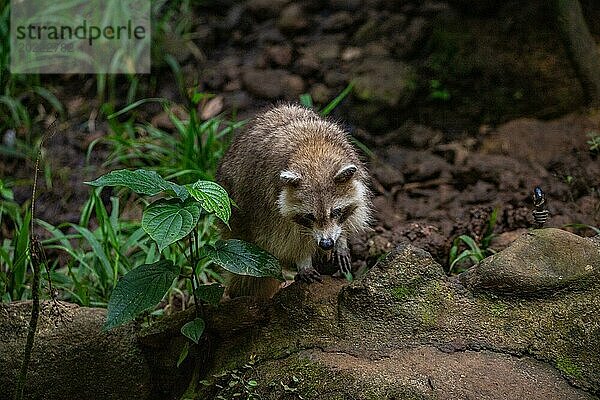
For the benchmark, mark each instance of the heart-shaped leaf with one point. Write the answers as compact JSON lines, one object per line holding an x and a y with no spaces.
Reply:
{"x":210,"y":293}
{"x":212,"y":197}
{"x":167,"y":221}
{"x":243,"y":258}
{"x":142,"y":182}
{"x":193,"y":329}
{"x":143,"y":287}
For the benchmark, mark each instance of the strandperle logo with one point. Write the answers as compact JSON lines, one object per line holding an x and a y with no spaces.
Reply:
{"x":85,"y":36}
{"x":82,"y":32}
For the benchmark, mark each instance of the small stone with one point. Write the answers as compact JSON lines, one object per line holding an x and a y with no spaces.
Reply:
{"x":324,"y":50}
{"x":212,"y":108}
{"x":292,"y":19}
{"x":272,"y":83}
{"x":351,"y":54}
{"x":338,"y":21}
{"x":279,"y":55}
{"x":320,"y":93}
{"x":293,"y":86}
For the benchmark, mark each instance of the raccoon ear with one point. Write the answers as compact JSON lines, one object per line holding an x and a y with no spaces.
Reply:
{"x":290,"y":178}
{"x":345,"y":174}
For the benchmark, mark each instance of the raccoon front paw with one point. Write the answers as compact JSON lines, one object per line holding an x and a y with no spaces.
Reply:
{"x":343,"y":261}
{"x":308,"y":275}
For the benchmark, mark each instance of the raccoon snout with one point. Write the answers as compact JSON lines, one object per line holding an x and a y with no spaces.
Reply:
{"x":326,"y":244}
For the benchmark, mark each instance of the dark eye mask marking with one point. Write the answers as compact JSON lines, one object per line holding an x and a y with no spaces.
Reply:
{"x":307,"y":220}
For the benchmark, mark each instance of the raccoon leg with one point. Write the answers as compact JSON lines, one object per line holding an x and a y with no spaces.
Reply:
{"x":341,"y":256}
{"x":307,"y":273}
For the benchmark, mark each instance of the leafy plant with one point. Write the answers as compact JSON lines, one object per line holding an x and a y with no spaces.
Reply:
{"x":437,"y":91}
{"x":173,"y":219}
{"x":594,"y":142}
{"x":474,"y":252}
{"x":190,"y":154}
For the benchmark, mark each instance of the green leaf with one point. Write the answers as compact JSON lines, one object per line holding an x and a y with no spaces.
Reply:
{"x":143,"y":287}
{"x":184,"y":353}
{"x":141,"y":182}
{"x":243,"y":258}
{"x":193,"y":330}
{"x":210,"y":293}
{"x":335,"y":102}
{"x":21,"y":256}
{"x":212,"y":197}
{"x":167,"y":221}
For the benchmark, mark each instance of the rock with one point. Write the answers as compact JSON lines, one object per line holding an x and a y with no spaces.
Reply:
{"x":335,"y":78}
{"x":212,"y":108}
{"x":539,"y":141}
{"x":264,"y":9}
{"x":412,"y":135}
{"x":279,"y":55}
{"x":238,"y":100}
{"x":292,"y":19}
{"x":293,"y":86}
{"x":325,"y":50}
{"x":543,"y":260}
{"x":338,"y":21}
{"x":272,"y":83}
{"x":351,"y":54}
{"x":386,"y":81}
{"x":366,"y":33}
{"x":349,"y":5}
{"x":320,"y":93}
{"x":162,"y":120}
{"x":307,"y":65}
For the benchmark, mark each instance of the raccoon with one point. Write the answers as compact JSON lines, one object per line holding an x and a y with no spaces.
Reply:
{"x":300,"y":189}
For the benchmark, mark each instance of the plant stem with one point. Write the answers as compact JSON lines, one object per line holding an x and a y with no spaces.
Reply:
{"x":35,"y":253}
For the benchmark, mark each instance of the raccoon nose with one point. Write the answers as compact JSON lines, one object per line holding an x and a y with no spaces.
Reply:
{"x":326,"y":244}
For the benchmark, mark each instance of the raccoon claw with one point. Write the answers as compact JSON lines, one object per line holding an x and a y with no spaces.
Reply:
{"x":308,"y":275}
{"x":342,"y":259}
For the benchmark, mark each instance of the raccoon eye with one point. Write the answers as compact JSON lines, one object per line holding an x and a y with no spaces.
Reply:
{"x":306,"y":220}
{"x":346,"y":212}
{"x":336,"y":213}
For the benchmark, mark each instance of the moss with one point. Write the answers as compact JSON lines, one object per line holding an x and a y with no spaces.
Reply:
{"x":401,"y":293}
{"x":568,"y":367}
{"x":498,"y":309}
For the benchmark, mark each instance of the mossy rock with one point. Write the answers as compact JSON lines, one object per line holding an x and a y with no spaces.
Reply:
{"x":539,"y":261}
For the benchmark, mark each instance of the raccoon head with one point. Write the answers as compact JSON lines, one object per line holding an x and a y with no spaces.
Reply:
{"x":324,"y":205}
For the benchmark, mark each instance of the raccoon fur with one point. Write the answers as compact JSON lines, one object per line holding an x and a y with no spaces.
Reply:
{"x":300,"y":189}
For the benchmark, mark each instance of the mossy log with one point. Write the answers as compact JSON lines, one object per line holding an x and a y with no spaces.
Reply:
{"x":404,"y":330}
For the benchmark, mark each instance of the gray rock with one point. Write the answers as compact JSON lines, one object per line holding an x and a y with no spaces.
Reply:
{"x":539,"y":261}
